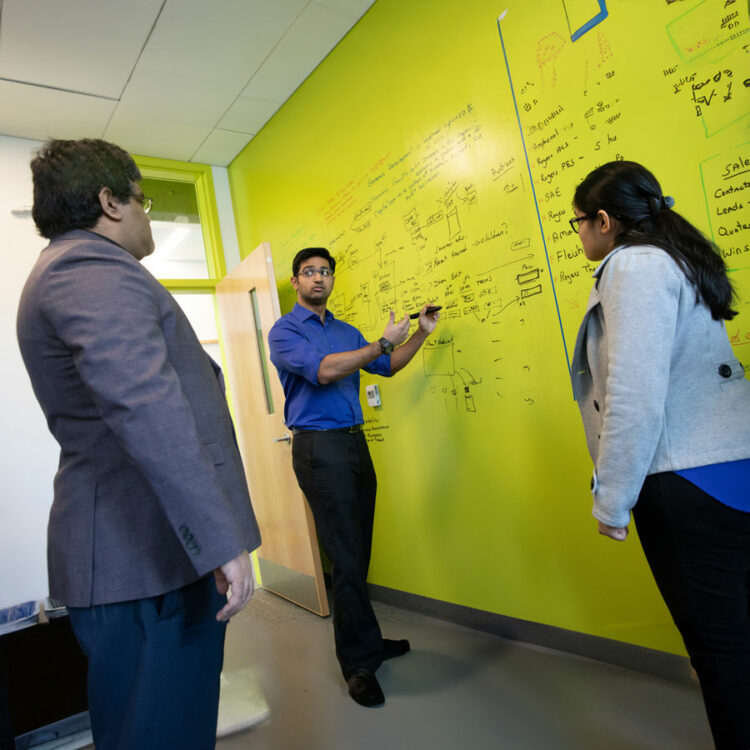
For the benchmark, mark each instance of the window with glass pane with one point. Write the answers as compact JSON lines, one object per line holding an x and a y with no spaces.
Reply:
{"x":178,"y":236}
{"x":261,"y":351}
{"x":200,"y":311}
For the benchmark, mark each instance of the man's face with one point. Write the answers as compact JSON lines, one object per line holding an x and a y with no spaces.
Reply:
{"x":136,"y":235}
{"x":313,"y":288}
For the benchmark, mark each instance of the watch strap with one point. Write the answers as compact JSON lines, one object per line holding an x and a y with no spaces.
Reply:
{"x":386,"y":346}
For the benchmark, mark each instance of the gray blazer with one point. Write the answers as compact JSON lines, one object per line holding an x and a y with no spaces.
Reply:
{"x":655,"y":378}
{"x":150,"y":493}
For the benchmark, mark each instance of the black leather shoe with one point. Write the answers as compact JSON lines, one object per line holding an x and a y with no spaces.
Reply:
{"x":365,"y":688}
{"x":393,"y":648}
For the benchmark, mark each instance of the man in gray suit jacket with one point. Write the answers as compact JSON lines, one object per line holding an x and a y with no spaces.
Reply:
{"x":151,"y":522}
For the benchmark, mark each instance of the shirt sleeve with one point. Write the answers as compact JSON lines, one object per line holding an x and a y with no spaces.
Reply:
{"x":290,"y":350}
{"x":379,"y":366}
{"x":639,"y":297}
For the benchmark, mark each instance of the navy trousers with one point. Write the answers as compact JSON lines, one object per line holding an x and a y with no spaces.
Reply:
{"x":153,"y":669}
{"x":699,"y":552}
{"x":335,"y":472}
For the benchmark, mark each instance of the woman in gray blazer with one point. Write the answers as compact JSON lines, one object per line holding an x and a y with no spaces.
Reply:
{"x":666,"y":411}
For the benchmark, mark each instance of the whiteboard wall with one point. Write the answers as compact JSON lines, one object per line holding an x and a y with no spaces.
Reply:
{"x":435,"y":152}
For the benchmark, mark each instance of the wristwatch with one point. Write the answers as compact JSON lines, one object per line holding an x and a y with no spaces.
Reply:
{"x":386,"y":346}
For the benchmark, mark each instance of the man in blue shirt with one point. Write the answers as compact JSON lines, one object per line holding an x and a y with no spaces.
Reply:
{"x":318,"y":359}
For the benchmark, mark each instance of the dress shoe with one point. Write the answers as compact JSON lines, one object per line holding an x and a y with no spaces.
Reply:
{"x":393,"y":648}
{"x":365,"y":688}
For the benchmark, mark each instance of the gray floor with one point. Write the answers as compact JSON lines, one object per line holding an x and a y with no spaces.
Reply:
{"x":458,"y":689}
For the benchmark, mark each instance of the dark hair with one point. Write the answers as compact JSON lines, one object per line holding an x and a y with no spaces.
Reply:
{"x":312,"y":252}
{"x":631,"y":194}
{"x":68,"y":176}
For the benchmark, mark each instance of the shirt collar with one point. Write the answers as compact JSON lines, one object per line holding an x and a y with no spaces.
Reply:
{"x":302,"y":313}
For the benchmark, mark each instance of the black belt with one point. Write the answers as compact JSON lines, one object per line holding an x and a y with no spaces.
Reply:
{"x":354,"y":428}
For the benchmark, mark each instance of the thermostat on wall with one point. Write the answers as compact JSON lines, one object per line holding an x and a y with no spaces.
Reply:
{"x":373,"y":395}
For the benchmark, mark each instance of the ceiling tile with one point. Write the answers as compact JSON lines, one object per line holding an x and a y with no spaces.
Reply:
{"x":354,"y":8}
{"x":206,"y":52}
{"x":71,"y":45}
{"x":184,"y":100}
{"x":158,"y":136}
{"x":315,"y":33}
{"x":179,"y":69}
{"x":198,"y":59}
{"x":248,"y":115}
{"x":221,"y":147}
{"x":39,"y":113}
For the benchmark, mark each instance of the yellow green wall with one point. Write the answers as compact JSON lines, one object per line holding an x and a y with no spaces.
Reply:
{"x":403,"y":154}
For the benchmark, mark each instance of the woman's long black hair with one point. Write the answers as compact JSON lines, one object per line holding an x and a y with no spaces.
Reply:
{"x":630,"y":193}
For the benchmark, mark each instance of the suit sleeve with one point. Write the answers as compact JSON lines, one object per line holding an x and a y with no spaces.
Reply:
{"x":639,"y":298}
{"x":105,"y":312}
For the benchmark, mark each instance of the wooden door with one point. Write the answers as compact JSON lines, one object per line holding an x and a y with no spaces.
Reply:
{"x":289,"y":556}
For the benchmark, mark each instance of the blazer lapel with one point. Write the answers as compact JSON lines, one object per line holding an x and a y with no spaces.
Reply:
{"x":579,"y":366}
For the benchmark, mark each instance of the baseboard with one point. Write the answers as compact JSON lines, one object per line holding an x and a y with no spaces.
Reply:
{"x":71,"y":732}
{"x":639,"y":658}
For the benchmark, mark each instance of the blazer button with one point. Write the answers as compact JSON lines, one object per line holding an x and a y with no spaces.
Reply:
{"x":725,"y":371}
{"x":596,"y":405}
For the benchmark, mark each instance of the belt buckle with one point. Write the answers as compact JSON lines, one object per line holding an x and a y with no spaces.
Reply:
{"x":355,"y":428}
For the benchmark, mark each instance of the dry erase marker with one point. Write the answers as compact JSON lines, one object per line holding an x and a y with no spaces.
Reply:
{"x":430,"y":309}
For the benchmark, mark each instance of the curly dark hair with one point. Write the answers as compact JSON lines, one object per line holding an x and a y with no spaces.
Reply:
{"x":630,"y":193}
{"x":68,"y":176}
{"x":312,"y":252}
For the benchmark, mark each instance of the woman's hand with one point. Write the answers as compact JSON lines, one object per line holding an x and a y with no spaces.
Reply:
{"x":613,"y":532}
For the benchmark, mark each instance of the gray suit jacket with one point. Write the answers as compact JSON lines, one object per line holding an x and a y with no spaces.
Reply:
{"x":655,"y":378}
{"x":150,"y":493}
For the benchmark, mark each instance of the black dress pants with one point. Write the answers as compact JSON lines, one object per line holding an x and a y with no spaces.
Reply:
{"x":699,"y":552}
{"x":335,"y":471}
{"x":6,"y":730}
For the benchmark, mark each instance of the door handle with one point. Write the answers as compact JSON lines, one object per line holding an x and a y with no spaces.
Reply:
{"x":286,"y":439}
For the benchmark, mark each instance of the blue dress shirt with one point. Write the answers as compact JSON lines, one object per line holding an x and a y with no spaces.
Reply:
{"x":729,"y":482}
{"x":298,"y":343}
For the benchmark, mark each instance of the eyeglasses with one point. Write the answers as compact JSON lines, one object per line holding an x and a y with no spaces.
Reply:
{"x":575,"y":221}
{"x":309,"y":272}
{"x":145,"y":202}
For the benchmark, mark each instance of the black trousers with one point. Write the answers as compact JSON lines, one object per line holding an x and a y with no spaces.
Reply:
{"x":153,"y":669}
{"x":699,"y":552}
{"x":6,"y":729}
{"x":335,"y":471}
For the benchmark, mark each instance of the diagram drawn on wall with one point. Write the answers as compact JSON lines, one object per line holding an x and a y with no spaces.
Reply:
{"x":439,"y":361}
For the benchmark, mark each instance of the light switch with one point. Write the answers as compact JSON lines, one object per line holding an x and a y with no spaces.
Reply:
{"x":373,"y":395}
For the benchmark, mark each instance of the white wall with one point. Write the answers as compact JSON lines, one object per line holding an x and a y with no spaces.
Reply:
{"x":226,"y":217}
{"x":28,"y":454}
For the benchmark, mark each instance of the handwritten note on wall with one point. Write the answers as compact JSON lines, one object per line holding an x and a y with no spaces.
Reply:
{"x":653,"y":82}
{"x":482,"y":229}
{"x":413,"y":229}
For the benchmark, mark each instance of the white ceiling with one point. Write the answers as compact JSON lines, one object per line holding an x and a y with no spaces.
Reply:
{"x":181,"y":79}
